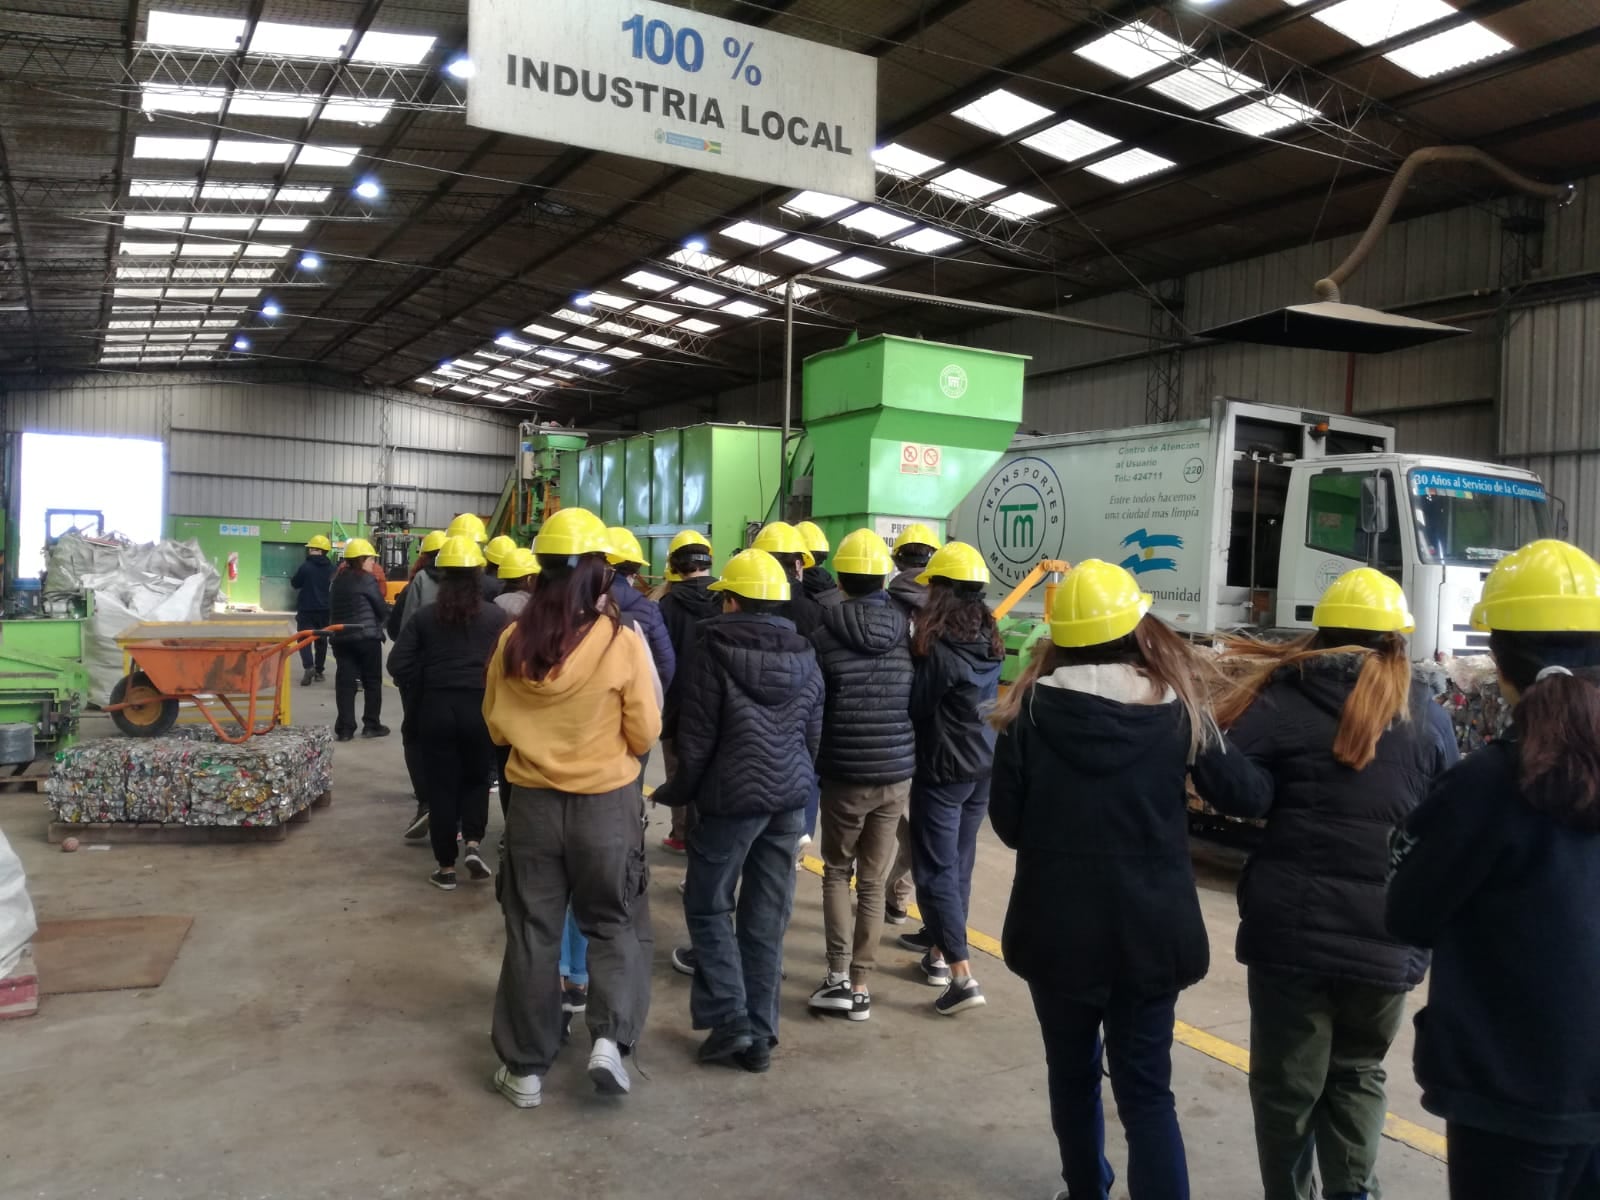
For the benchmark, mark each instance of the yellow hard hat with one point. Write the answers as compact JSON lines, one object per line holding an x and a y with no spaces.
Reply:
{"x":780,"y":537}
{"x":755,"y":575}
{"x":958,"y":562}
{"x":1545,"y":587}
{"x":459,"y":551}
{"x":673,"y":576}
{"x":689,"y":537}
{"x":431,"y":542}
{"x":572,"y":531}
{"x":1096,"y":602}
{"x":862,"y":552}
{"x":498,"y":547}
{"x":812,"y":535}
{"x":625,"y":547}
{"x":319,"y":541}
{"x":468,"y":525}
{"x":1364,"y":599}
{"x":359,"y":548}
{"x":519,"y":564}
{"x":916,"y":534}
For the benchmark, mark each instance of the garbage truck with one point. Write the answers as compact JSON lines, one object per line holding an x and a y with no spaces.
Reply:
{"x":1238,"y":521}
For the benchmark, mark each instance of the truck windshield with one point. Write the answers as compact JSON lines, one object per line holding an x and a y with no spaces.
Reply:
{"x":1475,"y":520}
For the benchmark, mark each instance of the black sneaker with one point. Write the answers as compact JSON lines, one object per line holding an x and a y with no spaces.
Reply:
{"x":318,"y":677}
{"x":921,"y":941}
{"x":477,"y":868}
{"x":305,"y":680}
{"x":725,"y":1043}
{"x":959,"y":997}
{"x":860,"y":1006}
{"x":757,"y":1059}
{"x":935,"y":971}
{"x":684,"y":961}
{"x":566,"y":1028}
{"x":444,"y":880}
{"x":417,"y":831}
{"x":831,"y":997}
{"x":375,"y":731}
{"x":574,"y":999}
{"x":895,"y":916}
{"x":344,"y":737}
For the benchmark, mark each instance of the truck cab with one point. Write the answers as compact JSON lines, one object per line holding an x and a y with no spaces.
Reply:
{"x":1435,"y":525}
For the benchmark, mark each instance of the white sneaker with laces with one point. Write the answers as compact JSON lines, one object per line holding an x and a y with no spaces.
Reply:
{"x":522,"y":1090}
{"x":606,"y":1072}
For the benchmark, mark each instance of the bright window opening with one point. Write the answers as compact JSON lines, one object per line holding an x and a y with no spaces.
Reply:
{"x":122,"y":478}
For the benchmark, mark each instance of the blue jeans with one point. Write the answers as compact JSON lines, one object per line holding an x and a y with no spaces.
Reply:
{"x":944,"y":823}
{"x":574,"y":952}
{"x":1138,"y":1041}
{"x":813,"y":807}
{"x":740,"y":955}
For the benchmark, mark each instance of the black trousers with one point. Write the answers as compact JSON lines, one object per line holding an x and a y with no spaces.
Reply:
{"x":360,"y":668}
{"x":410,"y":745}
{"x":1492,"y":1166}
{"x":315,"y":653}
{"x":455,"y":751}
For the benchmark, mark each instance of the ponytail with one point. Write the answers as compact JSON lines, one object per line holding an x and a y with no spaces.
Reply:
{"x":1557,"y":721}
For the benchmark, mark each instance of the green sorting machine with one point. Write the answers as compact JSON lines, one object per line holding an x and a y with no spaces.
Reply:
{"x":43,"y":681}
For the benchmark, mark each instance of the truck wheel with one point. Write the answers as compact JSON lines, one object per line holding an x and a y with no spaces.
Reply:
{"x":148,"y":714}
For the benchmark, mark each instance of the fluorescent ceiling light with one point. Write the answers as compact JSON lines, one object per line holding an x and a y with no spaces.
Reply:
{"x":357,"y":112}
{"x":407,"y":48}
{"x":656,"y":339}
{"x":817,"y":204}
{"x":747,"y":276}
{"x":234,"y":223}
{"x":1449,"y":50}
{"x":607,"y":300}
{"x":1070,"y":141}
{"x":327,"y":156}
{"x":177,"y":97}
{"x":621,"y":330}
{"x":1129,"y":165}
{"x":752,"y":233}
{"x":649,"y":281}
{"x":241,"y":151}
{"x":698,"y":295}
{"x":927,"y":241}
{"x":875,"y":221}
{"x":806,"y":251}
{"x":181,"y":29}
{"x":1372,"y":21}
{"x":302,"y":195}
{"x":592,"y":364}
{"x":696,"y":325}
{"x":235,"y":191}
{"x":148,"y":248}
{"x":1267,"y":116}
{"x":298,"y":41}
{"x":697,"y":260}
{"x":170,"y":147}
{"x":1135,"y":49}
{"x":1206,"y":84}
{"x":573,"y":315}
{"x":584,"y":343}
{"x":287,"y":105}
{"x":148,"y":221}
{"x":652,"y":312}
{"x":895,"y":159}
{"x":1002,"y":112}
{"x":159,"y":187}
{"x":555,"y":355}
{"x":284,"y":224}
{"x":964,"y":185}
{"x":742,"y":308}
{"x":623,"y":352}
{"x":855,"y":267}
{"x":1019,"y":206}
{"x":538,"y":331}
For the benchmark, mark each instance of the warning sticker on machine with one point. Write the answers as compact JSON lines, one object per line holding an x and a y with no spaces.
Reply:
{"x":918,"y":459}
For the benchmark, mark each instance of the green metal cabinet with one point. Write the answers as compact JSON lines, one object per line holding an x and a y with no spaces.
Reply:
{"x":638,"y":482}
{"x":613,"y":465}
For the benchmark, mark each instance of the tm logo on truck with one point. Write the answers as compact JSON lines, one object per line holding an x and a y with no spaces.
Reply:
{"x":1145,"y":545}
{"x":1019,"y":518}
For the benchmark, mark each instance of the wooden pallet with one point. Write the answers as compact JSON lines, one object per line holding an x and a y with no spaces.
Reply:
{"x":25,"y":777}
{"x":129,"y":833}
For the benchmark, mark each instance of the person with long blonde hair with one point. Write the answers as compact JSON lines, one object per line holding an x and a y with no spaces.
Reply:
{"x":1104,"y":922}
{"x":1332,"y":741}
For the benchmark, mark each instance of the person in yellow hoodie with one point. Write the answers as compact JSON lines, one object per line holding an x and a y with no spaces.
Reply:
{"x":571,"y":693}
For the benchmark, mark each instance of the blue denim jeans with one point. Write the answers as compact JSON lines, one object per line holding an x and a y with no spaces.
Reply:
{"x":738,"y":943}
{"x":574,"y":952}
{"x":944,"y":823}
{"x":813,"y":806}
{"x":1138,"y":1042}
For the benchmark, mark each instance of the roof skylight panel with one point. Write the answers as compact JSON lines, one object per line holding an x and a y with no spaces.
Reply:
{"x":1206,"y":84}
{"x":180,"y":98}
{"x":298,"y":41}
{"x":563,"y":374}
{"x":620,"y":330}
{"x":696,"y":260}
{"x":696,"y":325}
{"x":1372,"y":21}
{"x":286,"y":105}
{"x":649,"y":281}
{"x":817,"y":204}
{"x":1070,"y":141}
{"x":656,"y":339}
{"x":151,"y":221}
{"x":855,"y":267}
{"x":141,"y":272}
{"x":576,"y":317}
{"x":240,"y":293}
{"x":585,"y":343}
{"x":224,"y":223}
{"x":964,"y":185}
{"x":502,"y":373}
{"x":283,"y":224}
{"x":1135,"y":49}
{"x":515,"y":390}
{"x":537,"y":330}
{"x":927,"y":241}
{"x":326,"y":156}
{"x":160,"y":187}
{"x":253,"y":273}
{"x":698,"y":295}
{"x":147,"y":248}
{"x":183,"y":29}
{"x":650,"y":312}
{"x":135,"y":292}
{"x":746,"y":276}
{"x":801,"y":290}
{"x":465,"y":389}
{"x":241,"y":150}
{"x":904,"y":162}
{"x":491,"y":356}
{"x":1129,"y":165}
{"x":405,"y":48}
{"x":753,"y":233}
{"x":555,"y":355}
{"x":1268,"y":115}
{"x":356,"y":112}
{"x":302,"y":195}
{"x":806,"y":251}
{"x":145,"y":146}
{"x":592,"y":364}
{"x":234,"y":191}
{"x":1003,"y":112}
{"x":608,"y":300}
{"x":1449,"y":50}
{"x":876,"y":222}
{"x":623,"y":352}
{"x":209,"y":249}
{"x":1019,"y":206}
{"x":740,"y":308}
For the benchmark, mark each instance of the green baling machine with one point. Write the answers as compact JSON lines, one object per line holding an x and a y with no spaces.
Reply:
{"x":43,"y":681}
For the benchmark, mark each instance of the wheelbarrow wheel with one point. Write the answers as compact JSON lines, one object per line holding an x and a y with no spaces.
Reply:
{"x":148,"y":714}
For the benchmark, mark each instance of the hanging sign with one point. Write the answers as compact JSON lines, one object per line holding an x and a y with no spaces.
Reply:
{"x":672,"y":85}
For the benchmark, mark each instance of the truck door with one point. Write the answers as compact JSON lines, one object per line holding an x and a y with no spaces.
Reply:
{"x":1326,"y":534}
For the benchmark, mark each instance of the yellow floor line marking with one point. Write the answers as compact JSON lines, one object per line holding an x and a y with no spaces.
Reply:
{"x":1407,"y":1133}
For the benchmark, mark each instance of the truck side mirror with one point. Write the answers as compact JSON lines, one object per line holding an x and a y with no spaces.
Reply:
{"x":1375,"y":504}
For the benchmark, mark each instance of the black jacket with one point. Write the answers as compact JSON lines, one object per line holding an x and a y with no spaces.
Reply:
{"x":1311,"y":898}
{"x":1507,"y":898}
{"x":686,"y":604}
{"x":821,"y":587}
{"x":803,"y":610}
{"x":413,"y":598}
{"x":432,"y":656}
{"x":866,"y":661}
{"x":750,"y":722}
{"x":312,"y":579}
{"x":905,"y":591}
{"x":356,"y":600}
{"x":954,"y":684}
{"x":646,"y":617}
{"x":1089,"y":791}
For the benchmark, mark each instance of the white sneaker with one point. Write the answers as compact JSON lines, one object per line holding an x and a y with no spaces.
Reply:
{"x":521,"y":1090}
{"x":606,"y":1072}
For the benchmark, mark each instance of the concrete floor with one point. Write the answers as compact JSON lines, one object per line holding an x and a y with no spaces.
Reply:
{"x":324,"y":1034}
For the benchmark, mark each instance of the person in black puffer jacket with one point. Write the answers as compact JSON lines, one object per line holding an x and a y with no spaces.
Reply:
{"x":439,"y":662}
{"x":688,"y":601}
{"x":311,"y":581}
{"x":633,"y":605}
{"x":1104,"y":922}
{"x":817,"y":580}
{"x":957,"y":653}
{"x":783,"y":541}
{"x":1498,"y":870}
{"x":865,"y":765}
{"x":356,"y":601}
{"x":747,"y":736}
{"x":1334,"y":743}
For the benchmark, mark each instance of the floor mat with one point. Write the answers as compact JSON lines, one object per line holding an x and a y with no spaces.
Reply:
{"x":105,"y":954}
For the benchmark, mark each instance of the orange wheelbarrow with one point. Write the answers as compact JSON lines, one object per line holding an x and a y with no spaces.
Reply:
{"x":204,"y":670}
